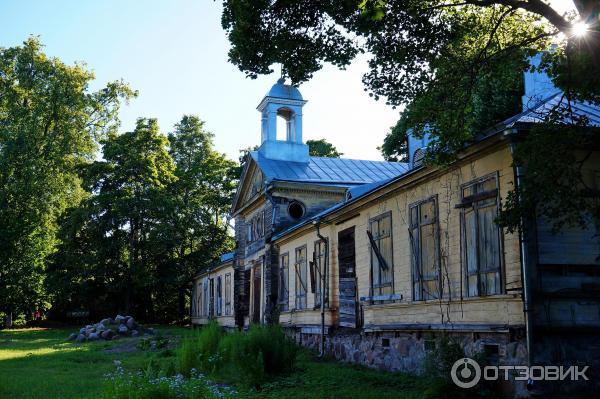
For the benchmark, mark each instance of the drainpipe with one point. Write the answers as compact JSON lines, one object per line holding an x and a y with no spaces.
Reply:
{"x":525,"y":267}
{"x":323,"y":277}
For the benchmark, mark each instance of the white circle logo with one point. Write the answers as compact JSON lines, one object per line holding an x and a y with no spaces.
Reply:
{"x":465,"y":373}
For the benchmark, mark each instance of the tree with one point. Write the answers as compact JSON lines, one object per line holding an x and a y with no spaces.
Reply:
{"x":322,"y":148}
{"x":156,"y":215}
{"x":453,"y":65}
{"x":201,"y":197}
{"x":50,"y":124}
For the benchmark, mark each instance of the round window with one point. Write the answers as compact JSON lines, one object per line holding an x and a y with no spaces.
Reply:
{"x":296,"y":210}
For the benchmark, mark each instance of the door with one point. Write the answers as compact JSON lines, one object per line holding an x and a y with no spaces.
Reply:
{"x":347,"y":290}
{"x":256,"y":293}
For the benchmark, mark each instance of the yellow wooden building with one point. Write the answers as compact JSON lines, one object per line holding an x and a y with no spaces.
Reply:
{"x":373,"y":262}
{"x":212,"y":294}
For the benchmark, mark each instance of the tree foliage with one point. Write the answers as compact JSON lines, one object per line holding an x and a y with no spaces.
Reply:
{"x":155,"y":216}
{"x":322,"y":148}
{"x":50,"y":124}
{"x":455,"y":66}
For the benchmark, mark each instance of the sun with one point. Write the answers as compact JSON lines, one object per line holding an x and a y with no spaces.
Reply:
{"x":580,"y":29}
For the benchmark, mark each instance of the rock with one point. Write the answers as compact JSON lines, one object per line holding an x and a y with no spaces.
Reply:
{"x":100,"y":327}
{"x":107,"y":334}
{"x":82,"y":330}
{"x":80,"y":338}
{"x":116,"y":336}
{"x":123,"y":329}
{"x":119,"y":318}
{"x":131,"y":324}
{"x":134,"y":333}
{"x":149,"y":331}
{"x":93,"y":336}
{"x":72,"y":337}
{"x":105,"y":321}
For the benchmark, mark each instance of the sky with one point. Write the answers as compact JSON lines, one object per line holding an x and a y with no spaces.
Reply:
{"x":174,"y":52}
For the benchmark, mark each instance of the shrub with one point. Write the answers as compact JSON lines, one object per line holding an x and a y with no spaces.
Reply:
{"x":438,"y":365}
{"x":198,"y":350}
{"x":262,"y":351}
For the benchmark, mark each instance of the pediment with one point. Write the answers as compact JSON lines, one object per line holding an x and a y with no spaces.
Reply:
{"x":251,"y":183}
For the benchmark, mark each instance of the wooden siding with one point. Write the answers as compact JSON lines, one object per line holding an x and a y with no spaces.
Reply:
{"x":454,"y":307}
{"x":201,"y":318}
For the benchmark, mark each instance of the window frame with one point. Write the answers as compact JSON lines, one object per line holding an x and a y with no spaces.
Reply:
{"x":380,"y":287}
{"x":227,"y":294}
{"x":416,"y":260}
{"x":219,"y":296}
{"x":471,"y":203}
{"x":301,"y":300}
{"x":320,"y":262}
{"x":284,"y":298}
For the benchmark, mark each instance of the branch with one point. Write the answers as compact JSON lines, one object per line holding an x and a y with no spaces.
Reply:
{"x":534,"y":6}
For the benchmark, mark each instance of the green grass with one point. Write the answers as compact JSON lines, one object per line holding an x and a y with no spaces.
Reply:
{"x":40,"y":364}
{"x":327,"y":379}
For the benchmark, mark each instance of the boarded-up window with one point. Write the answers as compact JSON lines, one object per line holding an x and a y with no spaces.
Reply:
{"x":423,"y":234}
{"x":481,"y":252}
{"x":205,"y":299}
{"x":301,"y":277}
{"x":218,"y":299}
{"x":319,"y":268}
{"x":284,"y":276}
{"x":194,"y":310}
{"x":228,"y":294}
{"x":380,"y":229}
{"x":256,"y":227}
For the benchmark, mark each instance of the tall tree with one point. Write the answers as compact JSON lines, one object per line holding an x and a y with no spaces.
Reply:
{"x":322,"y":148}
{"x":130,"y":198}
{"x":49,"y":126}
{"x":195,"y":232}
{"x":156,"y":216}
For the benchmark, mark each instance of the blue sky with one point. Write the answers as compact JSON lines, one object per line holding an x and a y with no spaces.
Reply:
{"x":175,"y":53}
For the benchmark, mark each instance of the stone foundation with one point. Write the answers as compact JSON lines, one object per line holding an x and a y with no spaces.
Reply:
{"x":405,"y":351}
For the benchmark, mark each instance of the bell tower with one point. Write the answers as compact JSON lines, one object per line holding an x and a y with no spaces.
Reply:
{"x":282,"y":101}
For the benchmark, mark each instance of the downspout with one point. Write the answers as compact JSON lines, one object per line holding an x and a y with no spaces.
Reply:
{"x":323,"y":276}
{"x":525,"y":267}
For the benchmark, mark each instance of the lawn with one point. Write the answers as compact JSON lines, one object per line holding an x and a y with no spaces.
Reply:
{"x":40,"y":364}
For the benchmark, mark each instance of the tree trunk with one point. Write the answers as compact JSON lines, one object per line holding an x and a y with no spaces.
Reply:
{"x":8,"y":320}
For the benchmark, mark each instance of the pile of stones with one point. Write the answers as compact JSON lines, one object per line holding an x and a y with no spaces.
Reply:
{"x":110,"y":329}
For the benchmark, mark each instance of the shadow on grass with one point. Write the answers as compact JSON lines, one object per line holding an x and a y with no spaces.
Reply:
{"x":41,"y":364}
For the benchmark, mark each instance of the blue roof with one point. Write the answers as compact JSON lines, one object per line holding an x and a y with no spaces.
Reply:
{"x":227,"y":256}
{"x":339,"y":171}
{"x":538,"y":113}
{"x":357,"y":191}
{"x":281,"y":90}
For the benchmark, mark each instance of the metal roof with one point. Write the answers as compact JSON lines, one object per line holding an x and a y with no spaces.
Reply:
{"x":227,"y":256}
{"x":558,"y":101}
{"x":534,"y":115}
{"x":339,"y":171}
{"x":281,"y":90}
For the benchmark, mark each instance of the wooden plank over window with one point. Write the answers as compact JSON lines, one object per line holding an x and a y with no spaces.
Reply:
{"x":425,"y":249}
{"x":481,"y":237}
{"x":301,"y":277}
{"x":380,"y":229}
{"x":284,"y":277}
